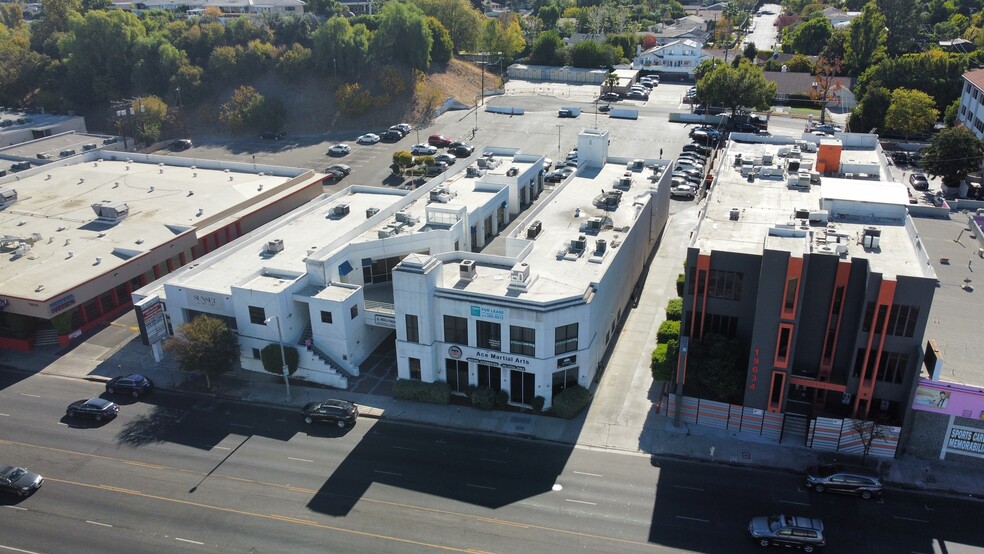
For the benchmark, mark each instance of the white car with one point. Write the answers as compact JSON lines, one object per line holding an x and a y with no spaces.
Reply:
{"x":405,"y":127}
{"x":423,"y":150}
{"x":446,"y":158}
{"x":679,"y":190}
{"x":368,"y":138}
{"x":339,"y":149}
{"x":687,"y":163}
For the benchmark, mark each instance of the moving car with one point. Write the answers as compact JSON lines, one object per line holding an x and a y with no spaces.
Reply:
{"x":610,"y":97}
{"x":843,"y":479}
{"x":181,"y":144}
{"x":94,"y":408}
{"x":273,"y":135}
{"x":368,"y":138}
{"x":788,"y":531}
{"x":919,"y":181}
{"x":19,"y":481}
{"x":461,"y":149}
{"x":340,"y":412}
{"x":423,"y":150}
{"x":135,"y":385}
{"x":439,"y":141}
{"x":828,"y":128}
{"x":339,"y":150}
{"x":333,"y":175}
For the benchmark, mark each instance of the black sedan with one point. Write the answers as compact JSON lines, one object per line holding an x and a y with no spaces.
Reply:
{"x":460,"y":149}
{"x":135,"y":385}
{"x":339,"y":412}
{"x":94,"y":408}
{"x":19,"y":481}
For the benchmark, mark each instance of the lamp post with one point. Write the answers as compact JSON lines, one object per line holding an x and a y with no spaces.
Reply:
{"x":283,"y":358}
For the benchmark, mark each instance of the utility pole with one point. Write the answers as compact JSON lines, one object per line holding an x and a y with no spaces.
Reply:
{"x":482,"y":63}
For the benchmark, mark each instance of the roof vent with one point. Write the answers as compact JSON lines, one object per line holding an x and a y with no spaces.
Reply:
{"x":579,"y":244}
{"x":110,"y":211}
{"x":8,"y":196}
{"x":734,"y":214}
{"x":467,"y":270}
{"x":340,"y":210}
{"x":275,"y":245}
{"x":371,"y":212}
{"x":520,"y":278}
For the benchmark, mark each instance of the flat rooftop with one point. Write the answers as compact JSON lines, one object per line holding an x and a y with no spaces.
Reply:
{"x":573,"y":210}
{"x":53,"y":146}
{"x":53,"y":240}
{"x":832,"y":217}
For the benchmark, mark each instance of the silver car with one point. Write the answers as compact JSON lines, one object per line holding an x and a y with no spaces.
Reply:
{"x":787,"y":531}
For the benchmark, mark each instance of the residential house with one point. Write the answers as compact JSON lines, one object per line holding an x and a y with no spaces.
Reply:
{"x":679,"y":57}
{"x":789,"y":85}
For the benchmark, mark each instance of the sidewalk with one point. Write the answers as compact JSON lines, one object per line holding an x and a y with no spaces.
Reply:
{"x":625,"y":414}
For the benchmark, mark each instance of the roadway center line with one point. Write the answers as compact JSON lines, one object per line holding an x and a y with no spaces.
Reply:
{"x":792,"y":502}
{"x":493,"y":461}
{"x":98,"y":523}
{"x":12,"y":549}
{"x":694,"y":519}
{"x":404,"y":448}
{"x":21,"y":508}
{"x":31,"y":395}
{"x":580,"y":502}
{"x":300,"y":460}
{"x":912,"y":519}
{"x":389,"y":473}
{"x":480,"y":487}
{"x":688,"y":488}
{"x":187,"y":540}
{"x":5,"y":415}
{"x":588,"y":474}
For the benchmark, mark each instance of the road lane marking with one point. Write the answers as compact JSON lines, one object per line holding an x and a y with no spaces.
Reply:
{"x":188,"y":540}
{"x":388,"y":473}
{"x":688,"y":488}
{"x":581,"y":502}
{"x":5,"y":415}
{"x":694,"y":519}
{"x":143,"y":464}
{"x":493,"y":461}
{"x":98,"y":523}
{"x":22,"y":551}
{"x":404,"y":448}
{"x":588,"y":474}
{"x":793,"y":502}
{"x":21,"y":508}
{"x":221,"y":448}
{"x":300,"y":460}
{"x":31,"y":395}
{"x":480,"y":487}
{"x":267,"y":516}
{"x":912,"y":519}
{"x":117,"y":489}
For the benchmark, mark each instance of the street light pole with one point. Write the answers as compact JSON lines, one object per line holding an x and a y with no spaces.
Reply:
{"x":283,"y":358}
{"x":559,"y":127}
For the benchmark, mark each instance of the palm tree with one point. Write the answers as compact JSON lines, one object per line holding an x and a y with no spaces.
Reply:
{"x":611,"y":80}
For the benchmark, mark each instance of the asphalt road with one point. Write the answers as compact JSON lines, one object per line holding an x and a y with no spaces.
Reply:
{"x":175,"y":473}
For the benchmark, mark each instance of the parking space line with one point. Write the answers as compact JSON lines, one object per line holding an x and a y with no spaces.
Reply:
{"x":694,"y":519}
{"x":588,"y":474}
{"x":480,"y":487}
{"x":688,"y":488}
{"x":389,"y":473}
{"x":580,"y":502}
{"x":188,"y":540}
{"x":300,"y":460}
{"x":912,"y":519}
{"x":98,"y":523}
{"x":31,"y":395}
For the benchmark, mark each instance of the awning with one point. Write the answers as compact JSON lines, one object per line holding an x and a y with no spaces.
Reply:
{"x":345,"y":268}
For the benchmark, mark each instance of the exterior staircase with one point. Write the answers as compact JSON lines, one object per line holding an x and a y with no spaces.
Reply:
{"x":794,"y":429}
{"x":321,"y":368}
{"x":46,"y":337}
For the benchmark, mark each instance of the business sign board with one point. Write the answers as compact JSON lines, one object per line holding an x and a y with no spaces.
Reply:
{"x":488,"y":313}
{"x":949,"y":398}
{"x":151,"y":320}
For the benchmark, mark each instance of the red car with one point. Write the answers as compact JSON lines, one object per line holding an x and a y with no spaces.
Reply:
{"x":439,"y":141}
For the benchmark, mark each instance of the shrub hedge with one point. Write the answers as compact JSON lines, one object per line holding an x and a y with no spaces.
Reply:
{"x":668,"y":330}
{"x":674,"y":309}
{"x":681,"y":280}
{"x":570,"y":401}
{"x":419,"y":391}
{"x":483,"y":398}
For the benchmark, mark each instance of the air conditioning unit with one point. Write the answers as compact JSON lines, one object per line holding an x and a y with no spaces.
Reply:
{"x":371,"y":212}
{"x":594,"y":225}
{"x":275,"y":245}
{"x":467,"y":270}
{"x":404,"y":217}
{"x":579,"y":244}
{"x":340,"y":210}
{"x":534,"y":229}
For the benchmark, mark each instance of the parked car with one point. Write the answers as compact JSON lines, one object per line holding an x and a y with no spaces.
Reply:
{"x":706,"y":137}
{"x":688,"y":163}
{"x":19,"y":481}
{"x":709,"y":110}
{"x":695,"y":181}
{"x":448,"y":159}
{"x":135,"y":385}
{"x":695,"y":156}
{"x":94,"y":408}
{"x":901,"y":157}
{"x":788,"y":531}
{"x":636,"y":95}
{"x":439,"y":141}
{"x":181,"y":144}
{"x":843,"y":479}
{"x":342,"y":168}
{"x":682,"y":191}
{"x":436,"y":169}
{"x":423,"y":150}
{"x":272,"y":135}
{"x":340,"y":412}
{"x":339,"y":150}
{"x":611,"y":97}
{"x":919,"y":181}
{"x":828,"y":128}
{"x":695,"y":174}
{"x":698,"y":148}
{"x":398,"y":129}
{"x":368,"y":138}
{"x":558,"y":174}
{"x":404,"y":127}
{"x":391,"y":135}
{"x":460,"y":149}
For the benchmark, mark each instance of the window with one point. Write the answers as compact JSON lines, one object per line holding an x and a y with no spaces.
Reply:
{"x":325,"y":317}
{"x":902,"y":320}
{"x":490,"y":376}
{"x":413,"y":333}
{"x":565,"y":338}
{"x":563,"y":379}
{"x":869,"y":314}
{"x":522,"y":340}
{"x":725,"y":285}
{"x":414,"y":368}
{"x":257,"y":315}
{"x":354,"y":311}
{"x":892,"y":367}
{"x":791,"y":289}
{"x":489,"y":335}
{"x":720,"y":324}
{"x":256,"y":353}
{"x":455,"y":329}
{"x":457,"y":371}
{"x":782,"y":346}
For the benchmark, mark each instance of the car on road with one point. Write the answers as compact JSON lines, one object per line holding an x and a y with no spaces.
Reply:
{"x":391,"y":135}
{"x":606,"y":108}
{"x":706,"y":137}
{"x":558,"y":174}
{"x":709,"y":110}
{"x":919,"y":181}
{"x":135,"y":385}
{"x":181,"y":144}
{"x":423,"y":150}
{"x":368,"y":138}
{"x":439,"y":141}
{"x":94,"y":408}
{"x":340,"y":412}
{"x":339,"y":149}
{"x":19,"y":481}
{"x":787,"y":531}
{"x":448,"y":159}
{"x":272,"y":135}
{"x":828,"y":128}
{"x":843,"y":479}
{"x":636,"y":95}
{"x":461,"y":149}
{"x":610,"y":97}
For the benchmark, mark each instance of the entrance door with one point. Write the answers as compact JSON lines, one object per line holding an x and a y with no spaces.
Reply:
{"x":521,"y":386}
{"x":457,"y":374}
{"x":490,"y":376}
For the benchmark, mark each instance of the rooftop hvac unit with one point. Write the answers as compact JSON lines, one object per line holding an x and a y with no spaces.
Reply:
{"x":275,"y":245}
{"x":520,"y":273}
{"x":624,"y":182}
{"x":466,"y":270}
{"x":8,"y":196}
{"x":534,"y":229}
{"x":801,"y":213}
{"x":473,"y":171}
{"x":793,"y":166}
{"x":371,"y":212}
{"x":734,"y":214}
{"x":579,"y":244}
{"x":404,"y":217}
{"x":107,"y":210}
{"x":871,"y":237}
{"x":594,"y":224}
{"x":385,"y":233}
{"x":601,"y":245}
{"x":512,"y":172}
{"x":340,"y":210}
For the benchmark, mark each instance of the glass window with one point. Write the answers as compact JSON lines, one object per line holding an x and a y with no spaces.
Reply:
{"x":414,"y":368}
{"x":489,"y":335}
{"x":565,"y":338}
{"x":457,"y":371}
{"x":791,"y":288}
{"x":455,"y":329}
{"x":522,"y":340}
{"x":257,"y":315}
{"x":325,"y":317}
{"x":354,"y":311}
{"x":413,"y":333}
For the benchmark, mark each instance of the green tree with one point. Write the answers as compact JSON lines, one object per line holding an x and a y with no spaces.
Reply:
{"x":341,"y":48}
{"x":812,"y":36}
{"x":953,"y":153}
{"x":902,"y":22}
{"x":206,"y":346}
{"x":836,"y":47}
{"x":716,"y":362}
{"x":223,"y":64}
{"x":549,"y":15}
{"x":153,"y":115}
{"x":505,"y":36}
{"x":869,"y":114}
{"x":99,"y":51}
{"x":402,"y":160}
{"x":935,"y":72}
{"x":248,"y":109}
{"x":295,"y":63}
{"x":403,"y":36}
{"x":53,"y":23}
{"x":12,"y":15}
{"x":799,"y":64}
{"x":20,"y":67}
{"x":866,"y":38}
{"x":157,"y":62}
{"x":549,"y":49}
{"x":911,"y":112}
{"x":751,"y":51}
{"x":441,"y":45}
{"x":950,"y":115}
{"x":274,"y":363}
{"x":739,"y":87}
{"x":462,"y":20}
{"x":590,"y":53}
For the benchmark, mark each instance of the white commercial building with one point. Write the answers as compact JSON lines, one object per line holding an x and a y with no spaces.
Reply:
{"x":533,"y":309}
{"x":679,"y":57}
